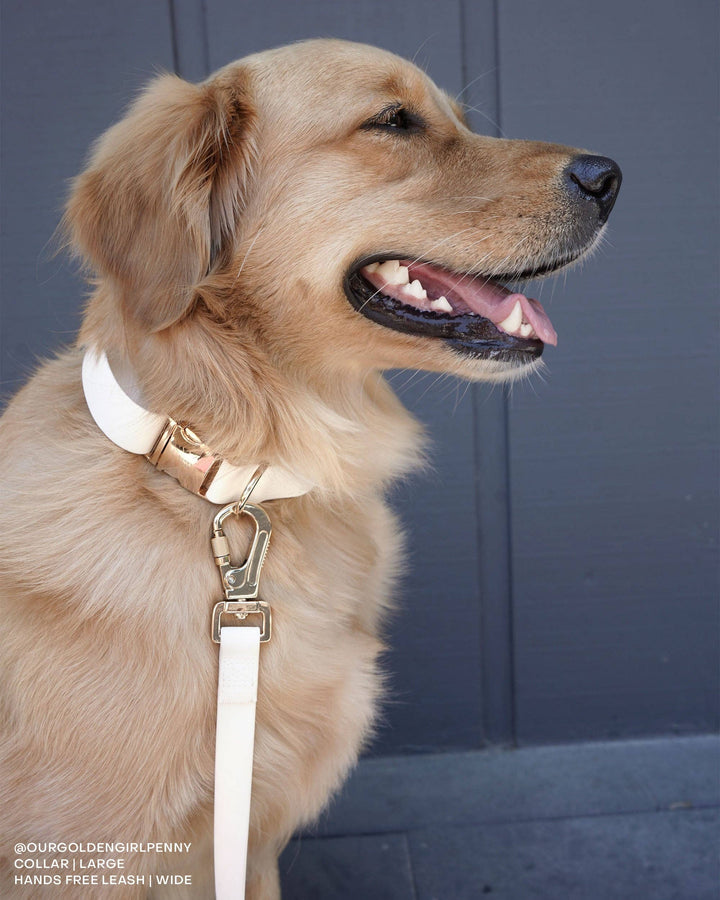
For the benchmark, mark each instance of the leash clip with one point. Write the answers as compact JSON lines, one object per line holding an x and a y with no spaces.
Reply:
{"x":241,"y":609}
{"x":242,"y":583}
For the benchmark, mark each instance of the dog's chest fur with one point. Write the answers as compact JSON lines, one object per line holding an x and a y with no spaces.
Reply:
{"x":125,"y":586}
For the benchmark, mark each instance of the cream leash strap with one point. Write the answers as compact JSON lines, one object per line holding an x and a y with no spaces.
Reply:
{"x":237,"y":692}
{"x":234,"y":740}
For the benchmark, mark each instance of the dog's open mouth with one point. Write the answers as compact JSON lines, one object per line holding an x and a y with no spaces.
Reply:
{"x":475,"y":314}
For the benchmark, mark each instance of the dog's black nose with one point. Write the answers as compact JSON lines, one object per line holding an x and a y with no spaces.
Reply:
{"x":594,"y":178}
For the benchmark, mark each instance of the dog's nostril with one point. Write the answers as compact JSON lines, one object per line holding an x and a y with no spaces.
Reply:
{"x":595,"y":178}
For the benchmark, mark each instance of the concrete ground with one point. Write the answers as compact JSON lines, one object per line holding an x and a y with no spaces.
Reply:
{"x":631,"y":820}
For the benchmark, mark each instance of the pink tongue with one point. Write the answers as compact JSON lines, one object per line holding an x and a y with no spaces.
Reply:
{"x":532,"y":313}
{"x":486,"y":298}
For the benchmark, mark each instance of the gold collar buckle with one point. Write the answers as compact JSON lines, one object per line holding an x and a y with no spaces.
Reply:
{"x":180,"y":452}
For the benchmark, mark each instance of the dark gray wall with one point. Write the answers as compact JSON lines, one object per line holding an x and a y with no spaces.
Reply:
{"x":569,"y":528}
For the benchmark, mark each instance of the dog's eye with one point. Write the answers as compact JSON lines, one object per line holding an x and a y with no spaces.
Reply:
{"x":395,"y":118}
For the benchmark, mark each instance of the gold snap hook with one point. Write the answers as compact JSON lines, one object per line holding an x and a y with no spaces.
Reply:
{"x":242,"y":583}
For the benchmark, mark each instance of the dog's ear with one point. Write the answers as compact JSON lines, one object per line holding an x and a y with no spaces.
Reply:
{"x":158,"y":207}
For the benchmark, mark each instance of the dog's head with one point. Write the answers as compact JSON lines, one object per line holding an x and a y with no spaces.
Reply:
{"x":326,"y":204}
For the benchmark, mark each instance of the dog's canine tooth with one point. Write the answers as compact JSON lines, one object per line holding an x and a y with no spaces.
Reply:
{"x":388,"y":270}
{"x":525,"y":330}
{"x":514,"y":320}
{"x":442,"y":304}
{"x":372,"y":267}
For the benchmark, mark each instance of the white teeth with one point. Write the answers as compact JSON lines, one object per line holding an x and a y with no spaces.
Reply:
{"x":526,"y":330}
{"x":373,"y":267}
{"x":442,"y":304}
{"x":393,"y":272}
{"x":416,"y":290}
{"x":514,"y":320}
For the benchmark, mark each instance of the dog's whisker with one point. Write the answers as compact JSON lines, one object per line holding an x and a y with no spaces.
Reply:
{"x":474,"y":81}
{"x":484,"y":115}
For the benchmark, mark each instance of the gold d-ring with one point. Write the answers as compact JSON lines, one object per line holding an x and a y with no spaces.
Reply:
{"x":249,"y":488}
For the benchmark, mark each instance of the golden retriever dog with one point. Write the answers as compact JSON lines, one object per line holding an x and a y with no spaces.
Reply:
{"x":262,"y":246}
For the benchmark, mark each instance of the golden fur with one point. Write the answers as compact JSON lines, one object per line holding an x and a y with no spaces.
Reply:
{"x":218,"y":221}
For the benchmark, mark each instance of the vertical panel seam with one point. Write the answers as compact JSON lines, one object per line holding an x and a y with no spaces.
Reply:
{"x":510,"y":600}
{"x":205,"y":37}
{"x":493,"y":512}
{"x":498,"y":89}
{"x":476,"y":486}
{"x":190,"y":39}
{"x":510,"y":597}
{"x":463,"y":51}
{"x":173,"y":37}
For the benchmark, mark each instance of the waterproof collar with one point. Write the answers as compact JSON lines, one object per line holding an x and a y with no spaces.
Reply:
{"x":172,"y":446}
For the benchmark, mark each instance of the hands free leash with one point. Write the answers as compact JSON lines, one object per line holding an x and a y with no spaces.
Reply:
{"x":237,"y":691}
{"x":175,"y":449}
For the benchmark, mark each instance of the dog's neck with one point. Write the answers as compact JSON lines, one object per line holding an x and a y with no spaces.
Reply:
{"x":346,"y":436}
{"x":171,"y":446}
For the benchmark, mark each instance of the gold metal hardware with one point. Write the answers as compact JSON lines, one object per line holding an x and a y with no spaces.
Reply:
{"x":180,"y":452}
{"x":241,"y":583}
{"x":240,"y":609}
{"x":250,"y":487}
